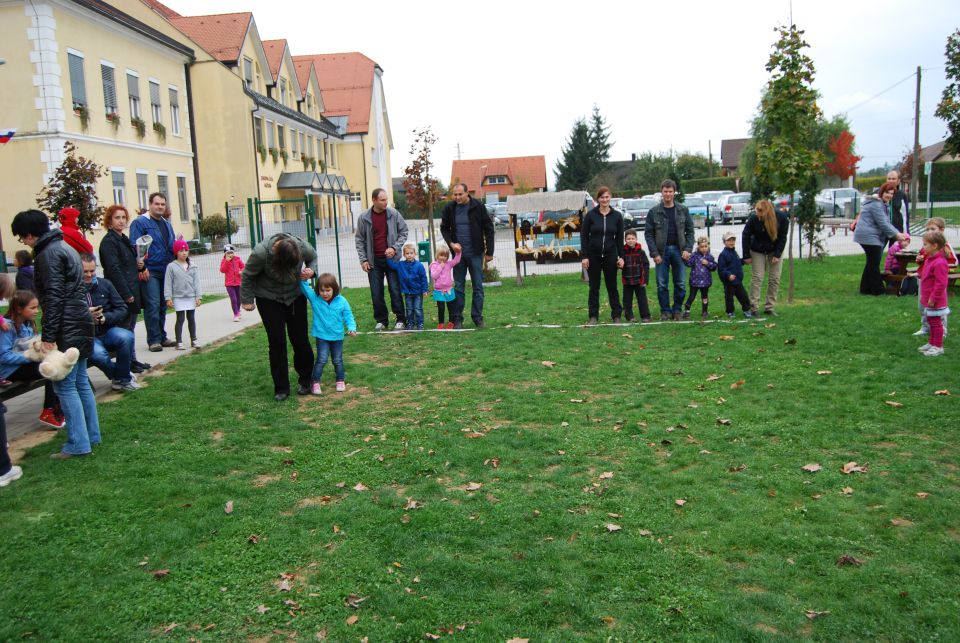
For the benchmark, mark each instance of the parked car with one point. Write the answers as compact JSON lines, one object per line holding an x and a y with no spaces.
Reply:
{"x":500,"y":216}
{"x":635,"y":211}
{"x":656,"y":196}
{"x":833,"y":201}
{"x":710,"y":198}
{"x":734,"y":208}
{"x":531,"y":217}
{"x":698,"y":210}
{"x":617,"y":203}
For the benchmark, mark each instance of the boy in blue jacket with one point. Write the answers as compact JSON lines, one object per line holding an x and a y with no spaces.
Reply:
{"x":331,"y":313}
{"x":413,"y":284}
{"x":730,"y":269}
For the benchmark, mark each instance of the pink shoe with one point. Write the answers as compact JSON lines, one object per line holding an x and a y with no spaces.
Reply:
{"x":315,"y":388}
{"x":341,"y":387}
{"x":236,"y":317}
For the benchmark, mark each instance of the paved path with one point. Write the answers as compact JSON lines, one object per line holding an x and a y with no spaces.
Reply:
{"x":214,"y":323}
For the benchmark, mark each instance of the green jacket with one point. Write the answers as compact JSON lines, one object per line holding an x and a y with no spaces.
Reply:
{"x":260,"y":279}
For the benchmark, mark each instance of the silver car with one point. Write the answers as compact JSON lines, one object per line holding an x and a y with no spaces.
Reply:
{"x":834,"y":201}
{"x":734,"y":208}
{"x":635,"y":211}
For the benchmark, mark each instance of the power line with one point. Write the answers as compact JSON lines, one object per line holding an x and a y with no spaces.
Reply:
{"x":879,"y":94}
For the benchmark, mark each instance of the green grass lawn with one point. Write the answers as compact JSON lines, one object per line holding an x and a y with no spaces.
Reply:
{"x":463,"y":489}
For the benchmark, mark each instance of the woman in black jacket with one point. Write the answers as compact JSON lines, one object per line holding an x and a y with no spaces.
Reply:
{"x":118,"y":258}
{"x":601,"y":246}
{"x":764,"y":238}
{"x":66,"y":323}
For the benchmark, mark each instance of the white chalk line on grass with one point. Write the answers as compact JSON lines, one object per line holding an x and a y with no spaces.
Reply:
{"x":697,"y":322}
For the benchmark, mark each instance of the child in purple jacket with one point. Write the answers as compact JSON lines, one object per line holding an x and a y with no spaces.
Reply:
{"x":701,"y":264}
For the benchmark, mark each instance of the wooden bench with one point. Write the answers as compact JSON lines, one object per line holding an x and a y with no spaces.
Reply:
{"x":893,"y":281}
{"x":19,"y":388}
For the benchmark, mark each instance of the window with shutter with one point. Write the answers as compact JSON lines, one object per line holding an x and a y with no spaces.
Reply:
{"x":78,"y":88}
{"x":155,"y":102}
{"x":248,"y":72}
{"x":143,"y":189}
{"x":174,"y":112}
{"x":133,"y":89}
{"x":109,"y":89}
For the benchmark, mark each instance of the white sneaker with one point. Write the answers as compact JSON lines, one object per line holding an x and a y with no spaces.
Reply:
{"x":195,"y":343}
{"x":924,"y":348}
{"x":379,"y":327}
{"x":180,"y":346}
{"x":921,"y":333}
{"x":933,"y":351}
{"x":13,"y":474}
{"x":399,"y":326}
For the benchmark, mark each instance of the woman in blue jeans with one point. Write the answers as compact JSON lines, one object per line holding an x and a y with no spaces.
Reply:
{"x":66,"y":323}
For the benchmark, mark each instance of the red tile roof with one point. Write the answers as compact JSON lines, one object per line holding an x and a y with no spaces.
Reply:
{"x":162,"y":9}
{"x":532,"y":170}
{"x":346,"y":86}
{"x":274,"y":50}
{"x":303,"y":68}
{"x":221,"y":35}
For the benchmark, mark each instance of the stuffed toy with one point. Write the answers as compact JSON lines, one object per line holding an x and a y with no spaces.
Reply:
{"x":54,"y":365}
{"x":71,"y":232}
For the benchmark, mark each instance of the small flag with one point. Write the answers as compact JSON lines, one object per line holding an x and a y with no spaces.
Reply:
{"x":6,"y":134}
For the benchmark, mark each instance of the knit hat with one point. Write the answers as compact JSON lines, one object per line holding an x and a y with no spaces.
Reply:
{"x":179,"y":245}
{"x":729,"y":234}
{"x":228,"y":248}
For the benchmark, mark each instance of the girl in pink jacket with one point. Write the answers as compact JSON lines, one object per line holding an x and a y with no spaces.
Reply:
{"x":933,"y":286}
{"x":231,"y":266}
{"x":441,"y":271}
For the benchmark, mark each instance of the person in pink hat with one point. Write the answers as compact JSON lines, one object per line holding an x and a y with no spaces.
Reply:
{"x":181,"y":289}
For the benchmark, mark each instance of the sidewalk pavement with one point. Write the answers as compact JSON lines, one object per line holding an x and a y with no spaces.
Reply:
{"x":214,"y":323}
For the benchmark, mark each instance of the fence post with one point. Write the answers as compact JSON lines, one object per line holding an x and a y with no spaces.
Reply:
{"x":253,"y":230}
{"x":226,"y":210}
{"x":336,"y":237}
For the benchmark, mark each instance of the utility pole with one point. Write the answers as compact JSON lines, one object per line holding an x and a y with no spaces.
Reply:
{"x":458,"y":151}
{"x":915,"y":174}
{"x":710,"y":158}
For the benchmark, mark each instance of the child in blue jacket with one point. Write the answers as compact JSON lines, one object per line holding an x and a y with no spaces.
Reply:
{"x":730,"y":269}
{"x":331,"y":313}
{"x":413,"y":284}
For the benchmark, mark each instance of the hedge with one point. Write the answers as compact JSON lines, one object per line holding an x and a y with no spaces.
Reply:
{"x":714,"y":183}
{"x":945,"y":180}
{"x":867,"y":183}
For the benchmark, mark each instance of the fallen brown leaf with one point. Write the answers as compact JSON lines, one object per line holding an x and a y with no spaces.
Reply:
{"x":613,"y":515}
{"x":726,"y":338}
{"x":723,"y":421}
{"x":431,"y":636}
{"x":813,"y":614}
{"x":518,"y":640}
{"x":253,"y":539}
{"x":411,"y":504}
{"x":548,"y":363}
{"x":645,"y":532}
{"x":853,"y":467}
{"x":813,"y":467}
{"x":714,"y":377}
{"x":847,"y":559}
{"x":737,"y":469}
{"x":170,"y":628}
{"x":606,"y":475}
{"x":942,"y":392}
{"x":283,"y":586}
{"x":738,"y":384}
{"x":847,"y":491}
{"x":228,"y":508}
{"x":361,"y":487}
{"x":609,"y":621}
{"x":473,"y":486}
{"x":612,"y":527}
{"x":354,"y":601}
{"x":679,"y":502}
{"x":790,"y":342}
{"x":627,"y":335}
{"x":476,"y":434}
{"x":160,"y":573}
{"x":576,"y":401}
{"x":895,"y":405}
{"x":262,"y":609}
{"x":922,"y":494}
{"x":352,"y":619}
{"x":901,"y":522}
{"x":824,"y":372}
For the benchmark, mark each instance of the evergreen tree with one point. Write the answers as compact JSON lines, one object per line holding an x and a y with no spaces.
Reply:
{"x":576,"y":167}
{"x":599,"y":141}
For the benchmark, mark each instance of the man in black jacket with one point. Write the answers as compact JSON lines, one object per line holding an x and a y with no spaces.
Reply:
{"x":66,"y":323}
{"x":668,"y":231}
{"x":109,"y":313}
{"x":899,"y":208}
{"x":468,"y":230}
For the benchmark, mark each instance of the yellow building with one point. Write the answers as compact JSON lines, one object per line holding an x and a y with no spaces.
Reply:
{"x":92,"y":74}
{"x":353,"y":96}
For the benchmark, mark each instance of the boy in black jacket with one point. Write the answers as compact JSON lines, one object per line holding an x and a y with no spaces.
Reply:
{"x":730,"y":268}
{"x":636,"y":271}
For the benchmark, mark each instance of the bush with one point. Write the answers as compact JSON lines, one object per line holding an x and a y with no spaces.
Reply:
{"x":216,"y":226}
{"x":712,"y":183}
{"x":867,"y":183}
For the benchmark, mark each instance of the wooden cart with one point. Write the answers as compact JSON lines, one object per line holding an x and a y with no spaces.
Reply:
{"x":546,"y":226}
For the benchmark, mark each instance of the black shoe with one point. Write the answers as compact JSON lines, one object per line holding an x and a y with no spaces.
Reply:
{"x":631,"y":320}
{"x":280,"y":397}
{"x":616,"y":320}
{"x":686,"y":314}
{"x":478,"y":323}
{"x":458,"y":325}
{"x":303,"y":389}
{"x":167,"y":343}
{"x":664,"y":316}
{"x":646,"y":320}
{"x":155,"y":348}
{"x":592,"y":321}
{"x":676,"y":316}
{"x":768,"y":313}
{"x":139,"y":367}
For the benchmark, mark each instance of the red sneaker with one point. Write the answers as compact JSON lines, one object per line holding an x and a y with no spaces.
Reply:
{"x":449,"y":325}
{"x":441,"y":326}
{"x":49,"y":417}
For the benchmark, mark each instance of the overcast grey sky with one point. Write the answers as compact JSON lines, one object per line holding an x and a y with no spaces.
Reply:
{"x":512,"y":80}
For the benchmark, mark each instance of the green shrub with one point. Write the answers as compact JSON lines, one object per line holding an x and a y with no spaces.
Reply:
{"x":713,"y":183}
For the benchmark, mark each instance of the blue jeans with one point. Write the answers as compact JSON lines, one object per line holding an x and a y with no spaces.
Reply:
{"x":379,"y":270}
{"x":475,"y":265}
{"x":671,"y":261}
{"x":154,"y":308}
{"x":79,"y":408}
{"x":414,"y":309}
{"x":334,"y":350}
{"x":120,"y":341}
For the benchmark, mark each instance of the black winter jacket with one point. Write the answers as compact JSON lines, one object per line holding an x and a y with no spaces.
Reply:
{"x":756,"y":239}
{"x":481,"y":226}
{"x":102,"y":293}
{"x":59,"y":286}
{"x":118,"y":258}
{"x":601,"y":236}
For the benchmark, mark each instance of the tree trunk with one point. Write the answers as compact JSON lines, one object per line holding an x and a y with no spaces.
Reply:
{"x":793,"y":222}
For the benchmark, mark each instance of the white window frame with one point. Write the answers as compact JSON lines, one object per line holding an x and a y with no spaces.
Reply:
{"x":80,"y":82}
{"x":174,"y":110}
{"x":106,"y":105}
{"x":143,"y":193}
{"x":156,"y":109}
{"x":119,"y":191}
{"x":271,"y":135}
{"x":182,"y":200}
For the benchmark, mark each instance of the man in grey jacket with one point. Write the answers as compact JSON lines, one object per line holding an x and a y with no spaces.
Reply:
{"x":668,"y":231}
{"x":381,"y":233}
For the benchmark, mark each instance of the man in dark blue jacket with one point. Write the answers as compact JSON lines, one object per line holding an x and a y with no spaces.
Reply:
{"x":159,"y":255}
{"x":109,"y":313}
{"x":467,"y":228}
